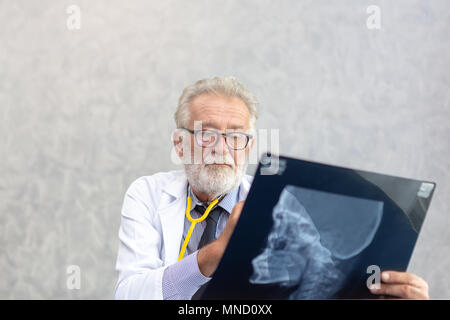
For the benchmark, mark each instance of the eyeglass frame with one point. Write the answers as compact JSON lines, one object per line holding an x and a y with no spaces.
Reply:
{"x":194,"y":132}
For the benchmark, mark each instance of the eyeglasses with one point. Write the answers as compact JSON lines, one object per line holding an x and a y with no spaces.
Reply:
{"x":208,"y":138}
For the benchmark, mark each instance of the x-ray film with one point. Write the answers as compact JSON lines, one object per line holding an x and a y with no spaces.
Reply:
{"x":316,"y":231}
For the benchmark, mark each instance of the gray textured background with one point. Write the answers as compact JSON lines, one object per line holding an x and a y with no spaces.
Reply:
{"x":84,"y":113}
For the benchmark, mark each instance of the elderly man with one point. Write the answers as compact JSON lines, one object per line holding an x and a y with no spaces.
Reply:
{"x":163,"y":254}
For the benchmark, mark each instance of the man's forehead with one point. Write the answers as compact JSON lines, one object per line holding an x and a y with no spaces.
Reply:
{"x":220,"y":112}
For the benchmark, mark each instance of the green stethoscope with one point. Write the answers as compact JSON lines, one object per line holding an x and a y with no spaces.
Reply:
{"x":195,"y":221}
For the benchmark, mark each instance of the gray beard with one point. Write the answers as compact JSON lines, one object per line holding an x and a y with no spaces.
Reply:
{"x":214,"y":181}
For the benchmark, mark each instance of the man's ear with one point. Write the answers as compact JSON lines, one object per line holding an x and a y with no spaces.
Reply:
{"x":177,"y":139}
{"x":252,"y":142}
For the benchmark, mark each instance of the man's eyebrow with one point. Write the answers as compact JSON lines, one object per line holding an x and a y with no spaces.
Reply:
{"x":236,"y":127}
{"x":214,"y":126}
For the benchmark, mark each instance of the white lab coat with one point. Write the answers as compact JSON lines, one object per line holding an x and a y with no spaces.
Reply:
{"x":151,"y":230}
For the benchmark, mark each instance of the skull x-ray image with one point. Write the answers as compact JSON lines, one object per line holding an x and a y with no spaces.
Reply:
{"x":314,"y":233}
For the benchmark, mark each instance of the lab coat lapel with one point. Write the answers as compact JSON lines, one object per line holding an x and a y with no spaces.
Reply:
{"x":171,"y":211}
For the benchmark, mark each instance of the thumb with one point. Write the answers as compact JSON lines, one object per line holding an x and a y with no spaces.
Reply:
{"x":232,"y":221}
{"x":236,"y":213}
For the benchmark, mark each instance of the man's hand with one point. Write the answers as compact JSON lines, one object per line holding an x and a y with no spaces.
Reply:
{"x":209,"y":256}
{"x":401,"y":285}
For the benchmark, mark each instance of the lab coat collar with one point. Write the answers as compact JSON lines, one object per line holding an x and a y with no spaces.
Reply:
{"x":178,"y":187}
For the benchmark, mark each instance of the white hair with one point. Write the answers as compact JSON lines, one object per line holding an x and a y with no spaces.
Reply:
{"x":227,"y":86}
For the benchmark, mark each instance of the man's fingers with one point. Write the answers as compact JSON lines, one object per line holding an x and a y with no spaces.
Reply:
{"x":403,"y":291}
{"x":395,"y":277}
{"x":402,"y":285}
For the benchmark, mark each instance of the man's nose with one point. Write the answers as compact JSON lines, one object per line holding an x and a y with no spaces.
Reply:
{"x":221,"y":147}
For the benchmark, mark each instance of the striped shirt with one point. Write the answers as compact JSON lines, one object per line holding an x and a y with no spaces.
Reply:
{"x":182,"y":279}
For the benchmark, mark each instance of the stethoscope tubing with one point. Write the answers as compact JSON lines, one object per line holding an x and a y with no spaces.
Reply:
{"x":194,"y":222}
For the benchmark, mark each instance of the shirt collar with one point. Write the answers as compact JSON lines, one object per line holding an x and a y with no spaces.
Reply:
{"x":227,"y":203}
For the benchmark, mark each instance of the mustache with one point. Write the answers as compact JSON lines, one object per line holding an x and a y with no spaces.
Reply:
{"x":218,"y":159}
